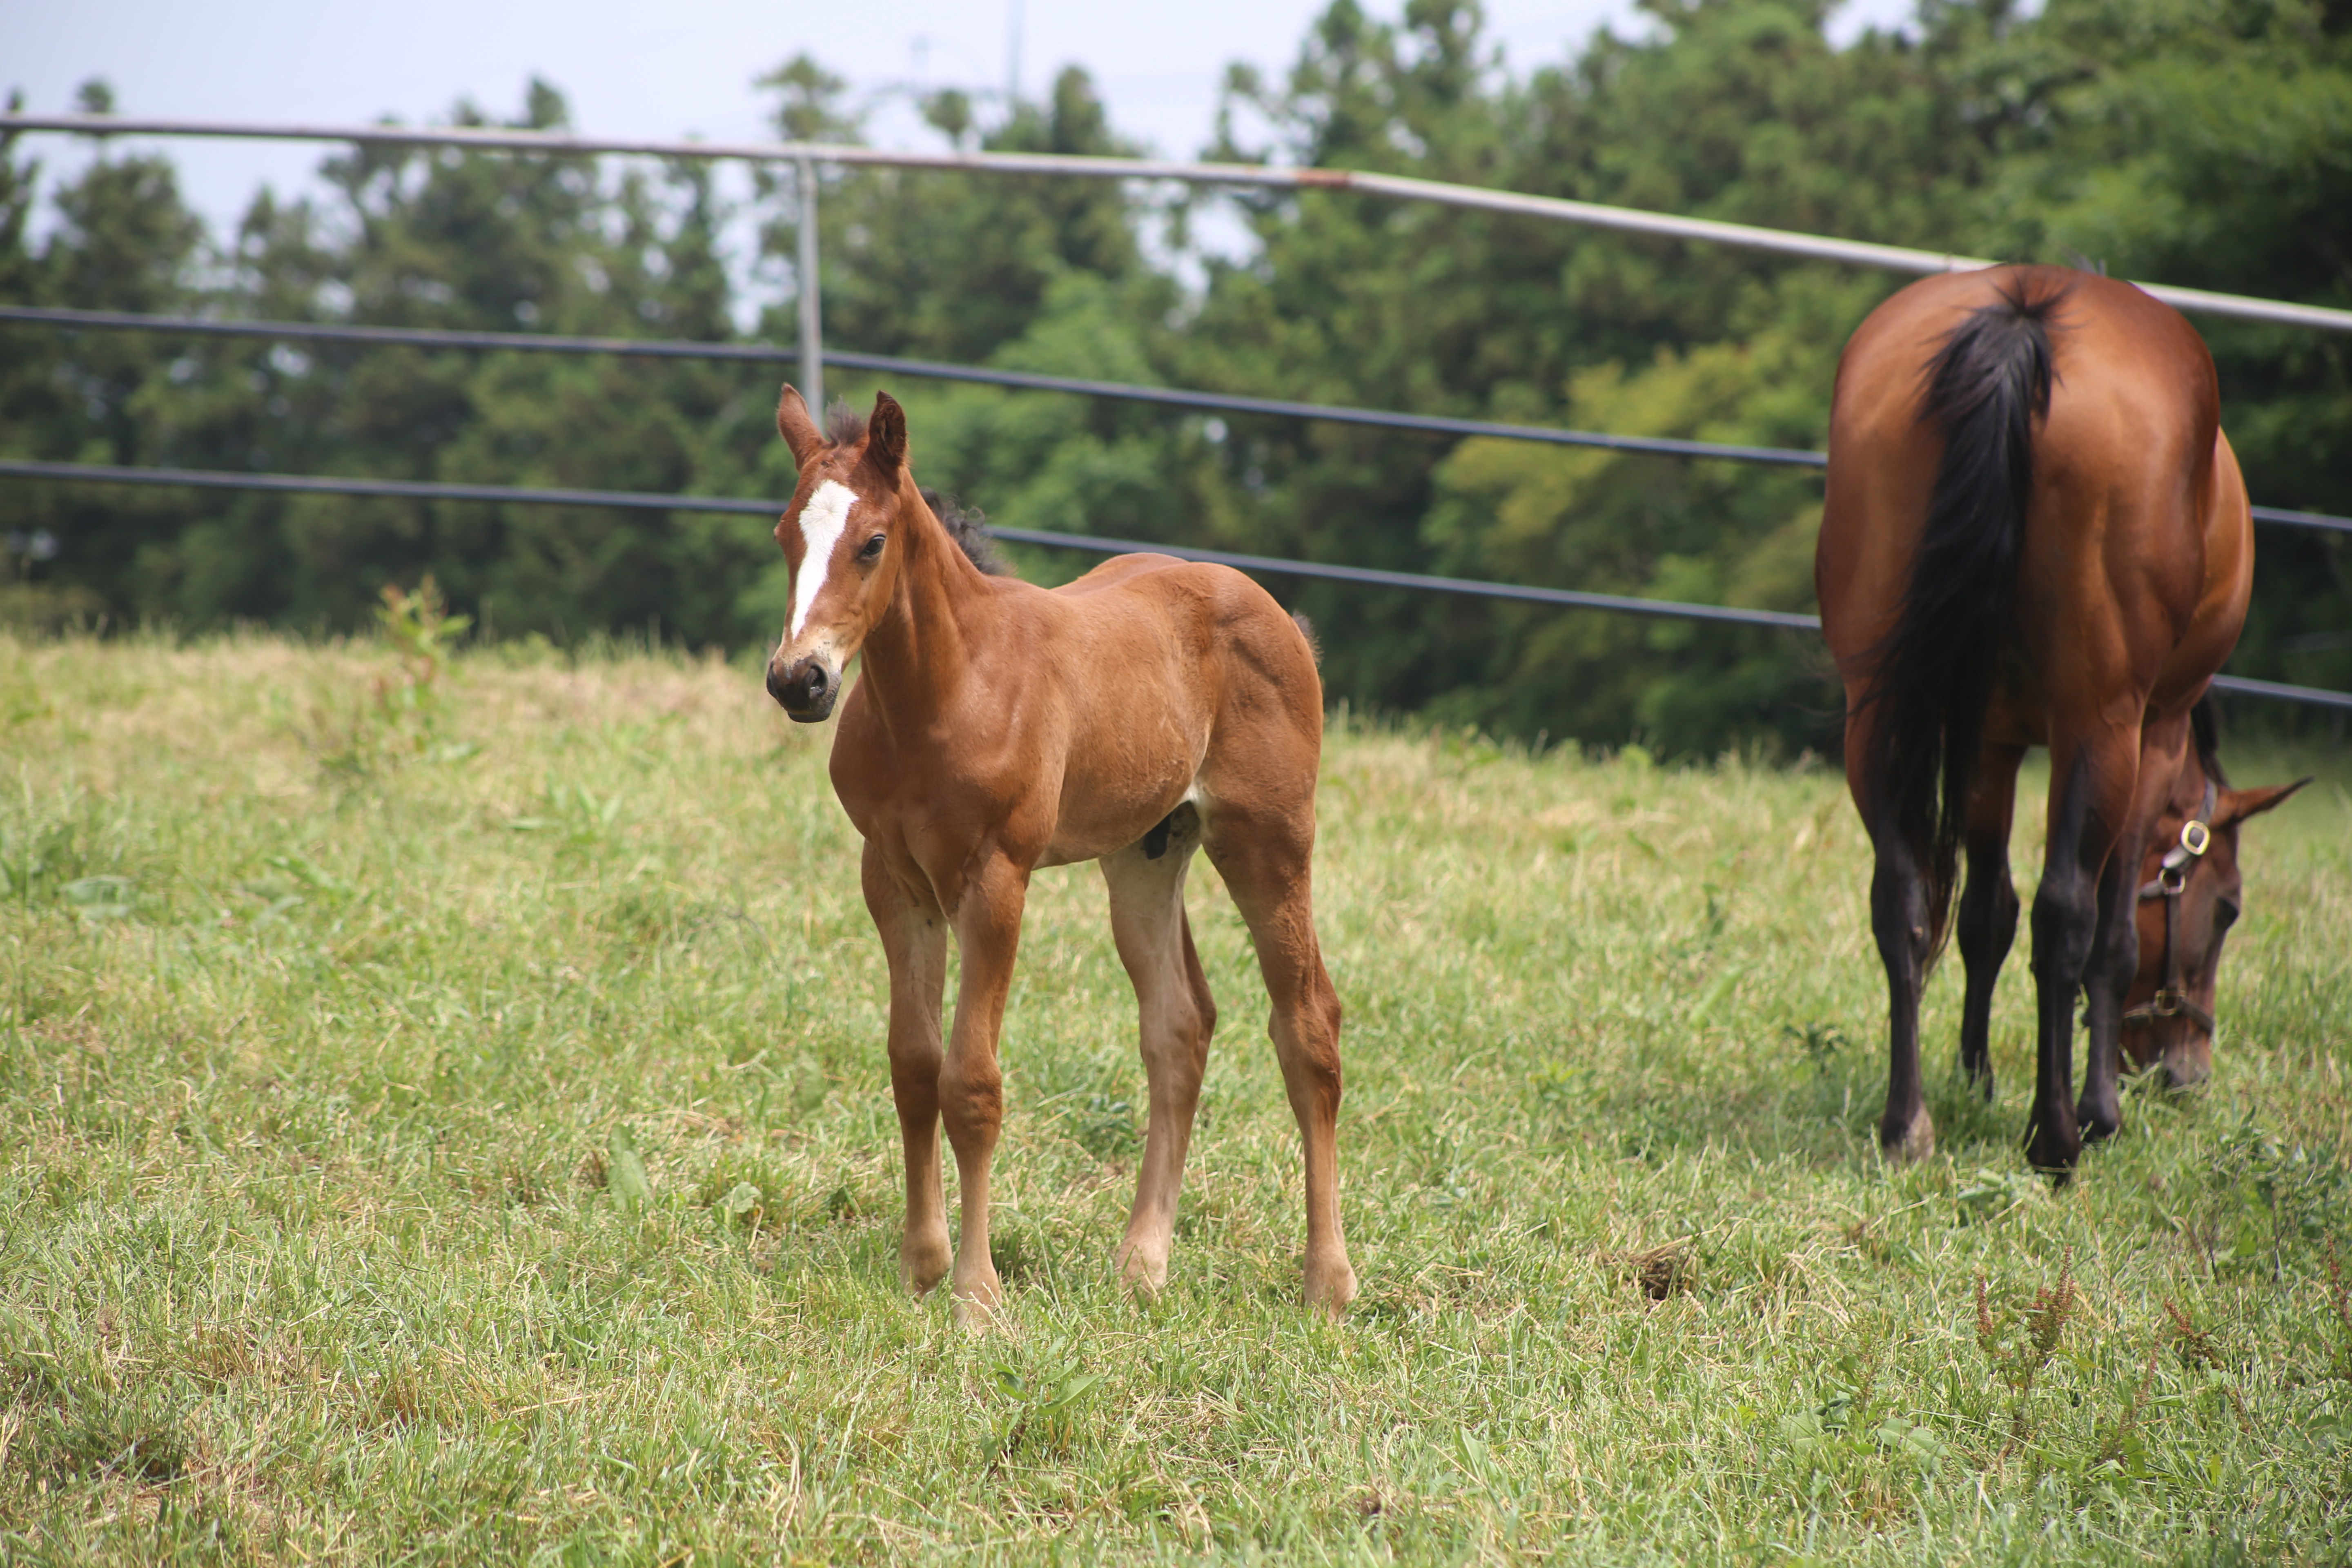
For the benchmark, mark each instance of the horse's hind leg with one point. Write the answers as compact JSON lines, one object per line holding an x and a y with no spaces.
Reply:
{"x":1988,"y":914}
{"x":2093,"y":778}
{"x":1265,"y":861}
{"x":1178,"y":1016}
{"x":1898,"y":918}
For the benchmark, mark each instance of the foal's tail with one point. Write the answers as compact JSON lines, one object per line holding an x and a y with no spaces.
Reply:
{"x":1985,"y":388}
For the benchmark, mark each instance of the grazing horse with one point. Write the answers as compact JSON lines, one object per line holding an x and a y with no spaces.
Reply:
{"x":1151,"y":707}
{"x":2035,"y":533}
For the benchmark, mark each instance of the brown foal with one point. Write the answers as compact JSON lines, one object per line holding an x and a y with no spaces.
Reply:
{"x":1151,"y":707}
{"x":2035,"y":534}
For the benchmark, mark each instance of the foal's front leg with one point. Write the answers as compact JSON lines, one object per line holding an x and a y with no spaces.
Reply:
{"x":970,"y":1086}
{"x":915,"y":938}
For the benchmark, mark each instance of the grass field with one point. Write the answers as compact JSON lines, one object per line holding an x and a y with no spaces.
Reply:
{"x":448,"y":1122}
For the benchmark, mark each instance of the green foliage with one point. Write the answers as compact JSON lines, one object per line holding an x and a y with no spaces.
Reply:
{"x":2196,"y":142}
{"x":422,"y":633}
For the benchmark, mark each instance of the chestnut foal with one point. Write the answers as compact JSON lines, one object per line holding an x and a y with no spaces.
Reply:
{"x":1150,"y":708}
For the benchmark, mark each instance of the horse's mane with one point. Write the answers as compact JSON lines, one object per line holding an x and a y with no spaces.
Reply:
{"x":968,"y":526}
{"x":2205,"y":728}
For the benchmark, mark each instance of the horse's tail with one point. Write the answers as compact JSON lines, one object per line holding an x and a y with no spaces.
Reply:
{"x":1985,"y":388}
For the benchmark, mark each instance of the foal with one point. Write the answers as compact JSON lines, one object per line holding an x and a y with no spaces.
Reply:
{"x":1150,"y":708}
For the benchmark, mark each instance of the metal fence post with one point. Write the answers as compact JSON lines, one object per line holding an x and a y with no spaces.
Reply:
{"x":812,"y":328}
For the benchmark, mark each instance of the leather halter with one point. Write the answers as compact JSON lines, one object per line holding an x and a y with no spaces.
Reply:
{"x":2171,"y":998}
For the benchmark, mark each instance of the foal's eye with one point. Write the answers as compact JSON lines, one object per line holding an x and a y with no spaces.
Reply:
{"x":873,"y":550}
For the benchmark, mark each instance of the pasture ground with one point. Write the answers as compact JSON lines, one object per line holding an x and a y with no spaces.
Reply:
{"x":447,"y":1121}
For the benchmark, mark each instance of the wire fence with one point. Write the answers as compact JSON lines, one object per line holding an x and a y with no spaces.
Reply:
{"x":1267,"y":565}
{"x":813,"y":357}
{"x":937,"y":369}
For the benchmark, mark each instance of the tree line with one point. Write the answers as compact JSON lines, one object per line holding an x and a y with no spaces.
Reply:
{"x":2203,"y":142}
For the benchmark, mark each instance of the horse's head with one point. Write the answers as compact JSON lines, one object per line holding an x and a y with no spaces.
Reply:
{"x":2190,"y":896}
{"x":839,"y":538}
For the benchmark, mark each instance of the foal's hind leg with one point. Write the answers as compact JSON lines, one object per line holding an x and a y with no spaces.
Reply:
{"x":1988,"y":915}
{"x":1265,"y":862}
{"x":1171,"y":993}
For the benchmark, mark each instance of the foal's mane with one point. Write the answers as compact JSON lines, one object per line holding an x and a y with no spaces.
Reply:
{"x":968,"y":526}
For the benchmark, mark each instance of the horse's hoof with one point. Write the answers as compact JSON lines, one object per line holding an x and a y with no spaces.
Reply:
{"x":2097,"y":1125}
{"x":1981,"y":1081}
{"x":1142,"y":1270}
{"x":922,"y":1265}
{"x":2054,"y":1156}
{"x":1330,"y":1289}
{"x":1908,"y":1145}
{"x":977,"y":1314}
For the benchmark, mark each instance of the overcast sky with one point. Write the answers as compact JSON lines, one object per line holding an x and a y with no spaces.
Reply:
{"x":686,"y":66}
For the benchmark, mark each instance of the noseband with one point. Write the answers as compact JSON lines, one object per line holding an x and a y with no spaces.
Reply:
{"x":2172,"y":880}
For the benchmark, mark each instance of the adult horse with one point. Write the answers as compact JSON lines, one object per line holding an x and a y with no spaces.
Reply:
{"x":2035,"y":534}
{"x":1150,"y":708}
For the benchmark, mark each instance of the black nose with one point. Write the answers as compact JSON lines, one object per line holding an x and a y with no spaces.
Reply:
{"x":803,"y":689}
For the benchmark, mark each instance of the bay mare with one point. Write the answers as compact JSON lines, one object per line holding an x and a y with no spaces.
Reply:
{"x":2036,"y":533}
{"x":1151,"y":707}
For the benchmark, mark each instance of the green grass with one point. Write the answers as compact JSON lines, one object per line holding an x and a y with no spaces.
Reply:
{"x":454,"y":1127}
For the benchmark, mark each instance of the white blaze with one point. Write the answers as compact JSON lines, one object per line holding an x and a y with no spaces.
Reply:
{"x":822,"y":520}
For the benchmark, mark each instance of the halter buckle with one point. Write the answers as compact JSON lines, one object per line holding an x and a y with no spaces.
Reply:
{"x":2195,"y":837}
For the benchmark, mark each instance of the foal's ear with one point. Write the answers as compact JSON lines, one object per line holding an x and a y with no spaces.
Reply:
{"x":2237,"y":805}
{"x":885,"y":437}
{"x":799,"y":431}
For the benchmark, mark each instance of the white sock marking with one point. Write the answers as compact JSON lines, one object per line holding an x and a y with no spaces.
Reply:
{"x":822,"y":520}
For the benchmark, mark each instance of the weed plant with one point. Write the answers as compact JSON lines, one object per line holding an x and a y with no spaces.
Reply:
{"x":453,"y":1127}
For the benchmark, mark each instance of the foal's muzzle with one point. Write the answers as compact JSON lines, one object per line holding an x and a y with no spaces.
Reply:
{"x":804,"y":689}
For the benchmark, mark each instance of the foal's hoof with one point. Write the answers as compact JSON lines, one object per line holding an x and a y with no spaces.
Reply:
{"x":977,"y":1299}
{"x":976,"y":1316}
{"x":2097,"y":1124}
{"x":1330,"y":1289}
{"x":922,"y":1265}
{"x":1142,"y":1270}
{"x":1905,"y":1145}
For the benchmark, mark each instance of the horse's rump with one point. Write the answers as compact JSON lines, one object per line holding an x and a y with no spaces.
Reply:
{"x":1930,"y":678}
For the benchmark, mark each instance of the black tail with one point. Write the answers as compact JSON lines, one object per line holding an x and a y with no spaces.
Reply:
{"x":1986,"y":387}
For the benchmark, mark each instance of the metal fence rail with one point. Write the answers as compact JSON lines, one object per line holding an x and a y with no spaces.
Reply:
{"x":803,"y":155}
{"x":935,"y":370}
{"x":422,"y":489}
{"x":765,"y":354}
